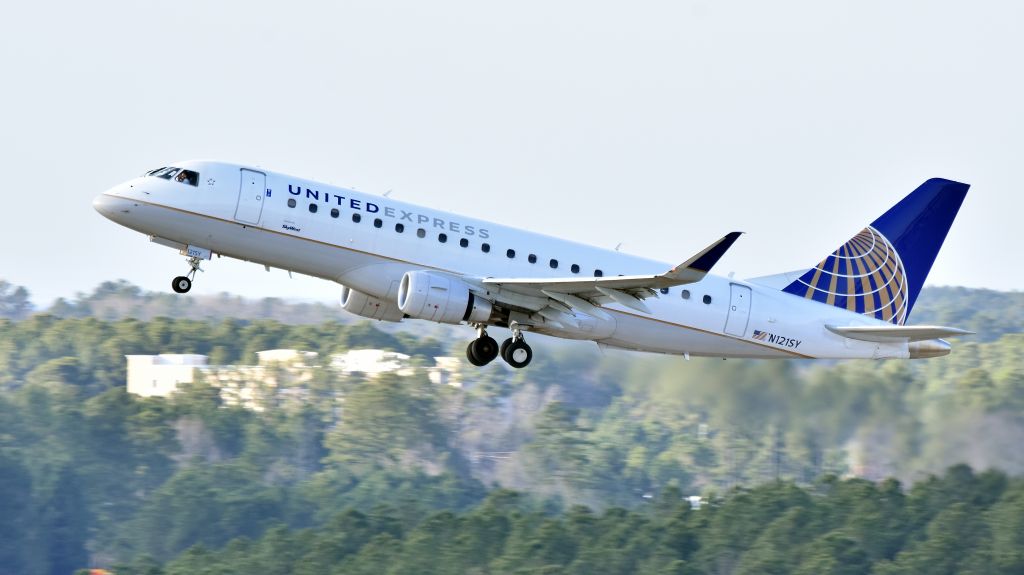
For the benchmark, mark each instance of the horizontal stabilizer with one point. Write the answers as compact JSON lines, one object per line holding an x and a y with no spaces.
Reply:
{"x":891,"y":333}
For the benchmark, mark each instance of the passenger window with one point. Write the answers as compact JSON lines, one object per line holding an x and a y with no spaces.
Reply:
{"x":510,"y":253}
{"x":553,"y":264}
{"x":421,"y":233}
{"x":312,"y":208}
{"x":598,"y":273}
{"x":399,"y":228}
{"x":464,"y":243}
{"x":442,"y":238}
{"x":664,"y":291}
{"x":356,"y":218}
{"x":685,"y":294}
{"x":485,"y":248}
{"x":334,"y":211}
{"x":377,"y":222}
{"x":531,"y":258}
{"x":575,"y":268}
{"x":707,"y":299}
{"x":291,"y":202}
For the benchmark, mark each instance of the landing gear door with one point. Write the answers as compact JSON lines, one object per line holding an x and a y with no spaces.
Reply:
{"x":250,"y":197}
{"x":739,"y":310}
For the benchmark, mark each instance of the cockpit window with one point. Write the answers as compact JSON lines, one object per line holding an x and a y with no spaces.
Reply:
{"x":177,"y":174}
{"x":187,"y":177}
{"x":165,"y":173}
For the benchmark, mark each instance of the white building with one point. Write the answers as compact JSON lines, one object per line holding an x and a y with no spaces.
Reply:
{"x":286,"y":356}
{"x":278,"y":374}
{"x":447,"y":370}
{"x":372,"y":362}
{"x":277,"y":370}
{"x":159,"y":375}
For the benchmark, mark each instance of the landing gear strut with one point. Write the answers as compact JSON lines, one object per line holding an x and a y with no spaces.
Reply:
{"x":182,"y":284}
{"x":483,"y":349}
{"x":515,"y":350}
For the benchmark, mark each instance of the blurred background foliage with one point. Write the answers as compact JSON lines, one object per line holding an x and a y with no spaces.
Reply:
{"x":582,"y":463}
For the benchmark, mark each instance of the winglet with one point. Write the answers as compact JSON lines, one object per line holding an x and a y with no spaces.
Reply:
{"x":695,"y":268}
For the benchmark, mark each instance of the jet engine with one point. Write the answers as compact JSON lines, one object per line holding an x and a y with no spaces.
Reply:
{"x":365,"y":305}
{"x":440,"y":298}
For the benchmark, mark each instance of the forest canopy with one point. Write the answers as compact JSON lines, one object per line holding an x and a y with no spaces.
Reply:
{"x":583,"y":463}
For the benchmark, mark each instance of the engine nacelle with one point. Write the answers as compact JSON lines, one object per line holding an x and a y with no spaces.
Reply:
{"x":440,"y":298}
{"x":365,"y":305}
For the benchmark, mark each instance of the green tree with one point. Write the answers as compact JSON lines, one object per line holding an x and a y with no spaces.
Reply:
{"x":16,"y":516}
{"x":834,"y":554}
{"x":14,"y":301}
{"x":386,"y":421}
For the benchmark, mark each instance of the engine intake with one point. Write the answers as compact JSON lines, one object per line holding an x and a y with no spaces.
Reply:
{"x":440,"y":298}
{"x":366,"y":305}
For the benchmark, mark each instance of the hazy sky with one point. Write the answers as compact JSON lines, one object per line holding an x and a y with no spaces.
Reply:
{"x":661,"y":125}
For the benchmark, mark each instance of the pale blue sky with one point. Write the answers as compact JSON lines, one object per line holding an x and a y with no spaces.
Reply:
{"x":661,"y":125}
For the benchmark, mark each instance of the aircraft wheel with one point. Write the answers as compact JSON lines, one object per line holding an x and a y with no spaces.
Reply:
{"x":471,"y":356}
{"x":484,"y":349}
{"x":504,"y":347}
{"x":181,"y":284}
{"x":518,"y":354}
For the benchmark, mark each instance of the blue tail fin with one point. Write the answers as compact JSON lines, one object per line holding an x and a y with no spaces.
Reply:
{"x":880,"y":271}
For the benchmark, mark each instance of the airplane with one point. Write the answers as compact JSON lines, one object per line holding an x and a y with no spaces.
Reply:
{"x":397,"y":261}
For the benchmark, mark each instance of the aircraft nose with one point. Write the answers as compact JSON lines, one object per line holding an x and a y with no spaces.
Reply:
{"x":103,"y":204}
{"x":110,"y":207}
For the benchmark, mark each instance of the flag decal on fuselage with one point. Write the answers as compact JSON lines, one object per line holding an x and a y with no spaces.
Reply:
{"x":776,"y":339}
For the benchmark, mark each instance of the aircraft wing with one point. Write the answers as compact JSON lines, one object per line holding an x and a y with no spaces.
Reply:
{"x":587,"y":293}
{"x":891,"y":333}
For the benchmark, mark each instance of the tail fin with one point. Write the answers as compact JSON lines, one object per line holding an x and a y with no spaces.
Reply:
{"x":880,"y":271}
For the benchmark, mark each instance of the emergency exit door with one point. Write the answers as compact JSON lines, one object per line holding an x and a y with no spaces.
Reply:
{"x":250,"y":197}
{"x":739,"y":310}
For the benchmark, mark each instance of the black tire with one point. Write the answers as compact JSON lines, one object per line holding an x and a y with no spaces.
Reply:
{"x":485,"y":349}
{"x":518,"y":354}
{"x":504,"y":348}
{"x":471,"y":356}
{"x":181,"y":284}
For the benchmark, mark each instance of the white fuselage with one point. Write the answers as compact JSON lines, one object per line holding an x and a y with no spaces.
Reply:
{"x":253,"y":221}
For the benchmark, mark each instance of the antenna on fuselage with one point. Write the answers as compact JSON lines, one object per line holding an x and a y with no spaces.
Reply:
{"x":617,"y":246}
{"x":388,"y":193}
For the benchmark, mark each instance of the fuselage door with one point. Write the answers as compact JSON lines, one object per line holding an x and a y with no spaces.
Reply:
{"x":739,"y":310}
{"x":250,"y":197}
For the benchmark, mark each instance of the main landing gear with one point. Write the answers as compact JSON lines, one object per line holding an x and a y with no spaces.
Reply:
{"x":483,"y":349}
{"x":182,"y":284}
{"x":513,"y":350}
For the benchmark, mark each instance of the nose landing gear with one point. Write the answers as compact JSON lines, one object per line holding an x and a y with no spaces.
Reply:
{"x":182,"y":284}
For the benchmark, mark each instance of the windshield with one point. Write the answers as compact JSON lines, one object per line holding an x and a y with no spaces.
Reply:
{"x":177,"y":174}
